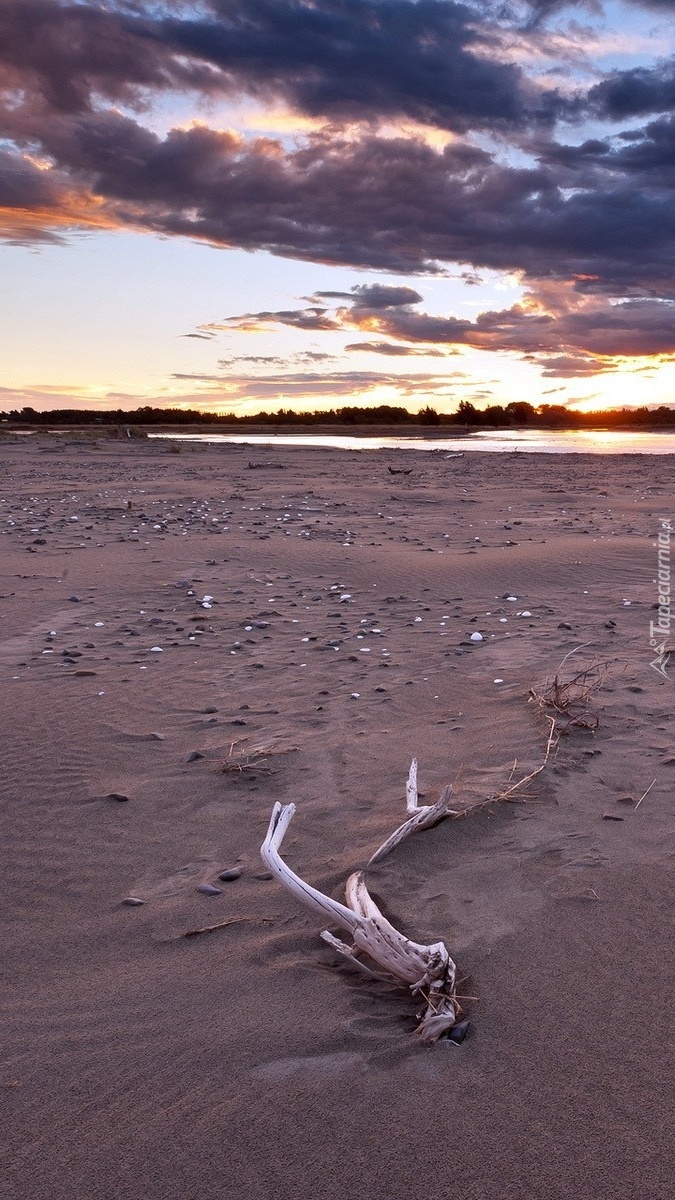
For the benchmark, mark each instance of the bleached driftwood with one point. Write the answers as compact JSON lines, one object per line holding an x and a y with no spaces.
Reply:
{"x":426,"y":969}
{"x":421,"y":816}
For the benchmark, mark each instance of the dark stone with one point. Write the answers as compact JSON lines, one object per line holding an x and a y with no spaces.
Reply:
{"x":207,"y":889}
{"x":231,"y":874}
{"x":459,"y":1031}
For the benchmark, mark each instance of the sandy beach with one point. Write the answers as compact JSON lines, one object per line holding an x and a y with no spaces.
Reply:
{"x":147,"y":733}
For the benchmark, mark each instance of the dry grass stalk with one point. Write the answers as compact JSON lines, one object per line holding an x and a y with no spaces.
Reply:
{"x":570,"y":698}
{"x":551,"y":746}
{"x":253,"y":759}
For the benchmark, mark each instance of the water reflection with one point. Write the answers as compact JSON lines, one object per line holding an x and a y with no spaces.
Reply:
{"x":530,"y":441}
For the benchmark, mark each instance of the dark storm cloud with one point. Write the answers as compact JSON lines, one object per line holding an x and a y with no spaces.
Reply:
{"x":569,"y":366}
{"x":339,"y":59}
{"x":346,"y":59}
{"x":543,"y":323}
{"x":394,"y":349}
{"x":637,"y":92}
{"x":297,"y":318}
{"x":375,"y":295}
{"x":564,"y":331}
{"x":646,"y":155}
{"x":24,"y":186}
{"x":392,"y":203}
{"x":64,"y":52}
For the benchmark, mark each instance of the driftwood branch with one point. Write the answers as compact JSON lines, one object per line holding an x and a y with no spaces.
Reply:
{"x":424,"y":969}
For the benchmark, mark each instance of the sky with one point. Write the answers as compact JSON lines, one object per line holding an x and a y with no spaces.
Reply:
{"x":246,"y":205}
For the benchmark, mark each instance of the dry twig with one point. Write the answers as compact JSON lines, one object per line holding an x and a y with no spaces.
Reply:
{"x":223,"y":924}
{"x":644,"y":794}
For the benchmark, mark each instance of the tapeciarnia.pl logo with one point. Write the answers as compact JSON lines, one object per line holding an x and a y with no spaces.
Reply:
{"x":659,"y":631}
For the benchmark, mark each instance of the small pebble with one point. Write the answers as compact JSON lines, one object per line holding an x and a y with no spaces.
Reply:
{"x":207,"y":889}
{"x":612,"y":816}
{"x":132,"y":901}
{"x":231,"y":874}
{"x":119,"y":796}
{"x":476,"y":637}
{"x":564,"y":625}
{"x":194,"y":755}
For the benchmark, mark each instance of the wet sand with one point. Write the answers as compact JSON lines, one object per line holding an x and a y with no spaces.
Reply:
{"x":335,"y":646}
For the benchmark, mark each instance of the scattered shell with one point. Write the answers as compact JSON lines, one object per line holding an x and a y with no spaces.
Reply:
{"x":476,"y":637}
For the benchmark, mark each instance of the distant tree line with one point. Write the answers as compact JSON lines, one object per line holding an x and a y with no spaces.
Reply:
{"x":517,"y":415}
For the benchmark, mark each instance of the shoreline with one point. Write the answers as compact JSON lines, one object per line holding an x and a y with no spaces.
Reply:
{"x":575,"y":443}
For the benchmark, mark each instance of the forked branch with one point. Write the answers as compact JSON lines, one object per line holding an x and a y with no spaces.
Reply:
{"x":393,"y":956}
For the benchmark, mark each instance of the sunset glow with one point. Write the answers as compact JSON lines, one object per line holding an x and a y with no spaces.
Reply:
{"x":244,"y":206}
